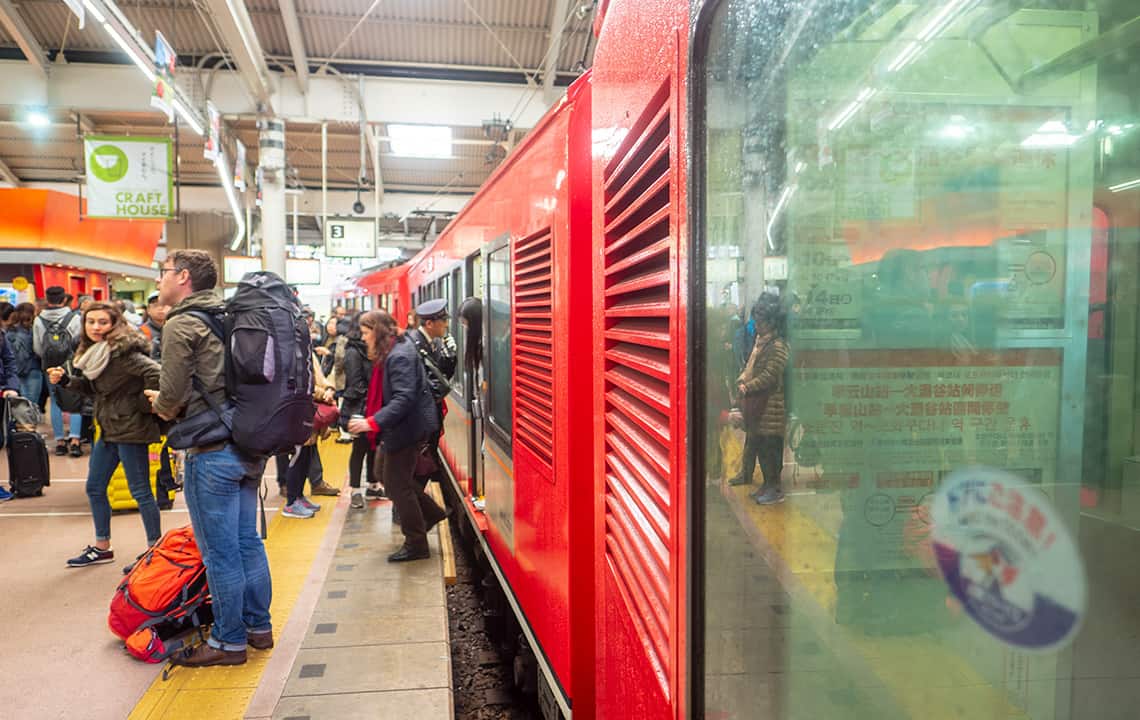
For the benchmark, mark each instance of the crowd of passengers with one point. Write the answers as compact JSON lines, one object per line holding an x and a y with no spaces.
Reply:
{"x":136,"y":370}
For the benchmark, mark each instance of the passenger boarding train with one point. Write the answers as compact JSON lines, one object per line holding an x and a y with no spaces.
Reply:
{"x":939,"y":193}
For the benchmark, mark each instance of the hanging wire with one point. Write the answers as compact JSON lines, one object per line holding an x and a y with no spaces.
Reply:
{"x":529,"y":77}
{"x":517,"y":114}
{"x":347,"y":37}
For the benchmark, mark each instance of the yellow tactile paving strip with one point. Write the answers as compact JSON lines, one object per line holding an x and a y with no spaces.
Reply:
{"x":907,"y":666}
{"x":221,"y":693}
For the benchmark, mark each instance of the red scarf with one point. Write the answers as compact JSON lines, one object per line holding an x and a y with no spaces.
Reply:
{"x":375,"y":399}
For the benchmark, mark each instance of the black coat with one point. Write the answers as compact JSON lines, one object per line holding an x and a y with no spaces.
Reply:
{"x":357,"y":377}
{"x":409,"y":414}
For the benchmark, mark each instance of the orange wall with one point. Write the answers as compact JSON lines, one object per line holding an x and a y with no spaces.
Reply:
{"x":49,"y":220}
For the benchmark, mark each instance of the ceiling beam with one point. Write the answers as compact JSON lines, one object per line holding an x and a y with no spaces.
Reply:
{"x":241,"y":40}
{"x":82,"y":87}
{"x":550,"y":72}
{"x":13,"y":22}
{"x":7,"y":176}
{"x":296,"y":43}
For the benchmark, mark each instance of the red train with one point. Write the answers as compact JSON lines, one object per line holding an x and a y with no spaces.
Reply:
{"x":577,"y":246}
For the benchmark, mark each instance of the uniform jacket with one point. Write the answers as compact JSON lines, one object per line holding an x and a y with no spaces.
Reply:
{"x":121,"y":408}
{"x":764,"y":373}
{"x":357,"y":375}
{"x":409,"y":414}
{"x":190,"y":348}
{"x":442,"y":353}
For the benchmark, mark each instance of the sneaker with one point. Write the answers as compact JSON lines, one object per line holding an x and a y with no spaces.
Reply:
{"x":357,"y":501}
{"x":76,"y":450}
{"x":769,"y":496}
{"x":375,"y":493}
{"x":92,"y":556}
{"x":309,"y":504}
{"x":5,"y":495}
{"x":296,"y":510}
{"x":61,"y":449}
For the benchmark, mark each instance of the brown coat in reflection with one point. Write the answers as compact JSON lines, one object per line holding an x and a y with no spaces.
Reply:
{"x":764,"y":373}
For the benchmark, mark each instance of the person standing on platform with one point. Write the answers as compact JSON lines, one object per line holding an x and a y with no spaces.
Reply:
{"x":407,"y":419}
{"x":113,"y":366}
{"x":152,"y":329}
{"x":221,"y":481}
{"x":54,"y":337}
{"x":27,"y":363}
{"x":439,"y":354}
{"x":358,"y":373}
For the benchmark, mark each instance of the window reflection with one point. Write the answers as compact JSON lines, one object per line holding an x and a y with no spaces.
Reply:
{"x":940,"y":199}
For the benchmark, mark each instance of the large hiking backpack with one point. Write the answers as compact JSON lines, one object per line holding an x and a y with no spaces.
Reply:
{"x":163,"y":599}
{"x":58,"y":344}
{"x":269,"y":370}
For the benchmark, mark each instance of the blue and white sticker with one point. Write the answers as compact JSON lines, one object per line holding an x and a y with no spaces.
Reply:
{"x":1009,"y":559}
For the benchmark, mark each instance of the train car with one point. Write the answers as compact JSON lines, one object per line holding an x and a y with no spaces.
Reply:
{"x":942,"y":235}
{"x":385,"y":289}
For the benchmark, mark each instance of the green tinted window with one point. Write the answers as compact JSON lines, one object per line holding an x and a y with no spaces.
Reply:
{"x":920,"y":260}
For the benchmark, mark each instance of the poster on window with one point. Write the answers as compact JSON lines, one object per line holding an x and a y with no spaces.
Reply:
{"x":164,"y":63}
{"x":889,"y":427}
{"x":129,"y":177}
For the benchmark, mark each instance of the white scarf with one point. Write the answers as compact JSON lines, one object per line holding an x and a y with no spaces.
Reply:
{"x":94,"y":360}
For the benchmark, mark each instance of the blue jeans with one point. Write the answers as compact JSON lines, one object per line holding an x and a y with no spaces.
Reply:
{"x":105,"y":457}
{"x":221,"y":493}
{"x":30,"y":386}
{"x":75,"y":423}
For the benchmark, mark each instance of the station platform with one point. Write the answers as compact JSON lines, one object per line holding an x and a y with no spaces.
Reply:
{"x":355,"y":636}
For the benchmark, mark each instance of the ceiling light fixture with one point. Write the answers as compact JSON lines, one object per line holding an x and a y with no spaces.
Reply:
{"x":424,"y":141}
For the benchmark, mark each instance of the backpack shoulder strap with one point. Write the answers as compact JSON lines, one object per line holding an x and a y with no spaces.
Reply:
{"x":212,"y":321}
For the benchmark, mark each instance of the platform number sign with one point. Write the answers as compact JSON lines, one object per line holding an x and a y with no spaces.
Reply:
{"x":351,"y":238}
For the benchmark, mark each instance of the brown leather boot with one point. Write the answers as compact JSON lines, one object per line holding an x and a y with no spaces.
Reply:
{"x":260,"y":641}
{"x":205,"y":655}
{"x":325,"y":489}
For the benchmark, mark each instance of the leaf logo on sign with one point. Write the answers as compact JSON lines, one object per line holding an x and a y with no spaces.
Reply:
{"x":109,"y":163}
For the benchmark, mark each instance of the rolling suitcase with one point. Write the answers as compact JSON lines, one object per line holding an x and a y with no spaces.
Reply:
{"x":28,"y":468}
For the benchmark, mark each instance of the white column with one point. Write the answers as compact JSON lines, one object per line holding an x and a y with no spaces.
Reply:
{"x":272,"y":164}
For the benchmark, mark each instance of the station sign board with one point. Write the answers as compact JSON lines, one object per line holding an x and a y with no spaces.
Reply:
{"x":350,"y":238}
{"x":129,"y":177}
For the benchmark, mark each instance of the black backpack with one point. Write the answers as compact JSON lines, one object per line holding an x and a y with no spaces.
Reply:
{"x":58,"y":345}
{"x":269,"y":367}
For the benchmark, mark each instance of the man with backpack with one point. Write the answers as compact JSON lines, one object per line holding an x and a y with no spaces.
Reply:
{"x":55,"y":335}
{"x":221,"y":480}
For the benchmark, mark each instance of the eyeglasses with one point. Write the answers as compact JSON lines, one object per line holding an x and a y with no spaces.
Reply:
{"x":161,"y":271}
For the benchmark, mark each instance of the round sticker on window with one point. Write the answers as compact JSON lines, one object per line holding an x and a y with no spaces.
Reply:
{"x":1008,"y":558}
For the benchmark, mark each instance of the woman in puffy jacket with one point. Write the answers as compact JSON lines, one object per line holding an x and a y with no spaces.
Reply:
{"x":112,"y":365}
{"x":357,"y":377}
{"x":28,"y":367}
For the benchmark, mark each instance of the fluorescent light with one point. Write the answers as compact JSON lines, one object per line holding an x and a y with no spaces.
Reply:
{"x":426,"y":141}
{"x":943,"y":18}
{"x":147,"y":66}
{"x":38,"y":118}
{"x":225,"y":175}
{"x":910,"y":52}
{"x":95,"y":12}
{"x":849,"y":112}
{"x":188,"y":116}
{"x":1125,"y":185}
{"x":785,"y":196}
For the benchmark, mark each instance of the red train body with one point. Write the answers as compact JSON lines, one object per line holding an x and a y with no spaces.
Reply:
{"x":585,"y":483}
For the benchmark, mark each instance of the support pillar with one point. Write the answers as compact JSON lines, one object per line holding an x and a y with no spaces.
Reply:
{"x":272,"y":164}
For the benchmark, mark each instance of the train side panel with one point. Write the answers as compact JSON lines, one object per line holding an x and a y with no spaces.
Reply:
{"x":639,"y":147}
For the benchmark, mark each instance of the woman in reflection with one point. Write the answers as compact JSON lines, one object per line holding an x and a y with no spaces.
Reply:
{"x":761,"y":400}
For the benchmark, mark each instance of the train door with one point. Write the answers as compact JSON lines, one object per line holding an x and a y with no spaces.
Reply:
{"x":475,"y":387}
{"x":498,"y":393}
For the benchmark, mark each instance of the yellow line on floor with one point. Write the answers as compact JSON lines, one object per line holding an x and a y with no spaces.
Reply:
{"x":221,"y":693}
{"x":927,"y":679}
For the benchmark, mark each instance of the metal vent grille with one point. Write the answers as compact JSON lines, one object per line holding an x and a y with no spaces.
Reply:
{"x":638,"y":374}
{"x":534,"y":344}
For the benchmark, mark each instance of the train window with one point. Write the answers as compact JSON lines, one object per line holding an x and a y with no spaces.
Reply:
{"x":919,"y":386}
{"x":497,"y":349}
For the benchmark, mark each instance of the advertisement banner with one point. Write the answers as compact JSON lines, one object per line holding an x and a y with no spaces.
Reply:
{"x":212,"y":149}
{"x":129,"y":177}
{"x":164,"y":62}
{"x":239,"y":166}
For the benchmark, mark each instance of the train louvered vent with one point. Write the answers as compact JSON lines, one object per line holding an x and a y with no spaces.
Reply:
{"x":638,"y":347}
{"x":534,"y":345}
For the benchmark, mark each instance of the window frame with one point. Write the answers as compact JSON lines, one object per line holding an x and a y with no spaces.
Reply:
{"x":502,"y":436}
